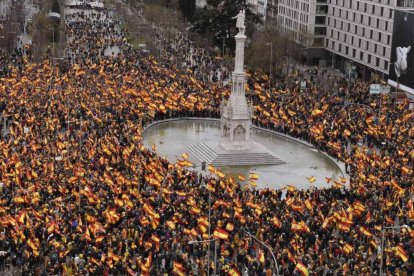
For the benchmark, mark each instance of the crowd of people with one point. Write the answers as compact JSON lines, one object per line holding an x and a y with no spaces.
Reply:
{"x":81,"y":195}
{"x":204,"y":64}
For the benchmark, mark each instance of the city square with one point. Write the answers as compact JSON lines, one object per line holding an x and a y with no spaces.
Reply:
{"x":209,"y":137}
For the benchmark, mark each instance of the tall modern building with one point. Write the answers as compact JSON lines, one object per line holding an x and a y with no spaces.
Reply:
{"x":304,"y":20}
{"x":361,"y":32}
{"x":354,"y":36}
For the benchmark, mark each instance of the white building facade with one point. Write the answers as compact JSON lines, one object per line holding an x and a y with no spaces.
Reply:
{"x":354,"y":32}
{"x":303,"y":20}
{"x":360,"y":31}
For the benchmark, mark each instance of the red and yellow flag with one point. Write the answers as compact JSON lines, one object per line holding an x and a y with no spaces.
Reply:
{"x":400,"y":252}
{"x":178,"y":269}
{"x":302,"y":269}
{"x":220,"y":234}
{"x":364,"y":231}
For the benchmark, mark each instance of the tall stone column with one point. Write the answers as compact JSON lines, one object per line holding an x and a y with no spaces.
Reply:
{"x":236,"y":115}
{"x":239,"y":60}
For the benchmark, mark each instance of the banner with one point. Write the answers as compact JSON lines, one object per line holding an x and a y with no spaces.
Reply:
{"x":401,"y":69}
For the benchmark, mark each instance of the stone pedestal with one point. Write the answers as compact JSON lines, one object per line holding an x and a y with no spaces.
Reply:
{"x":236,"y":115}
{"x":235,"y":147}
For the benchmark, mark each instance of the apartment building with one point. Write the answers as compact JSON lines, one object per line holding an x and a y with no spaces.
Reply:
{"x":303,"y":20}
{"x":353,"y":33}
{"x":360,"y":32}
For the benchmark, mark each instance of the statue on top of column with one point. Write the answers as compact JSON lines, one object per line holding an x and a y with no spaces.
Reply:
{"x":240,"y":21}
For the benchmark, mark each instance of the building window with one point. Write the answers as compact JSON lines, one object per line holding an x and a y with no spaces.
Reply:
{"x":386,"y":65}
{"x":361,"y":56}
{"x":377,"y":62}
{"x":353,"y":52}
{"x":369,"y":58}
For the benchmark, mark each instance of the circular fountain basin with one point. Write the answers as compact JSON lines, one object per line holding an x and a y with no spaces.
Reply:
{"x":303,"y":161}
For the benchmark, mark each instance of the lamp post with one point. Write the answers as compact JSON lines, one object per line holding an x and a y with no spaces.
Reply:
{"x":208,"y":254}
{"x":393,"y":63}
{"x":165,"y":179}
{"x":53,"y":45}
{"x":382,"y":242}
{"x":270,"y":65}
{"x":224,"y":41}
{"x":267,"y":247}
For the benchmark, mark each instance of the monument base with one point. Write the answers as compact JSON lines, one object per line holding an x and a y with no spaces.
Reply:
{"x":217,"y":156}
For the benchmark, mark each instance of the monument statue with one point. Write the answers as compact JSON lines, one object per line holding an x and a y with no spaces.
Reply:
{"x":240,"y":21}
{"x":235,"y":146}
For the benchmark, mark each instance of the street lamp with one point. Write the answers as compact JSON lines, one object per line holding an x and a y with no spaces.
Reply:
{"x":267,"y":247}
{"x":270,"y":65}
{"x":215,"y":253}
{"x":53,"y":45}
{"x":393,"y":63}
{"x":382,"y":242}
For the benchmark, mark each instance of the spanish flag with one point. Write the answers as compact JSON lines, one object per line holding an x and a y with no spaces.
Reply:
{"x":170,"y":224}
{"x":364,"y":231}
{"x":33,"y":245}
{"x":253,"y":176}
{"x":308,"y":204}
{"x":99,"y":239}
{"x":233,"y":272}
{"x":348,"y":248}
{"x":311,"y":179}
{"x":195,"y":210}
{"x":316,"y":112}
{"x":261,"y":256}
{"x":210,"y":187}
{"x":178,"y":269}
{"x":276,"y":222}
{"x":202,"y":224}
{"x":220,"y":234}
{"x":185,"y":155}
{"x":220,"y":174}
{"x":400,"y":252}
{"x":302,"y":269}
{"x":230,"y":227}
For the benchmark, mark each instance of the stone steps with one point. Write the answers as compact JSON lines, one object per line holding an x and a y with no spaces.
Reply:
{"x":205,"y":152}
{"x":247,"y":159}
